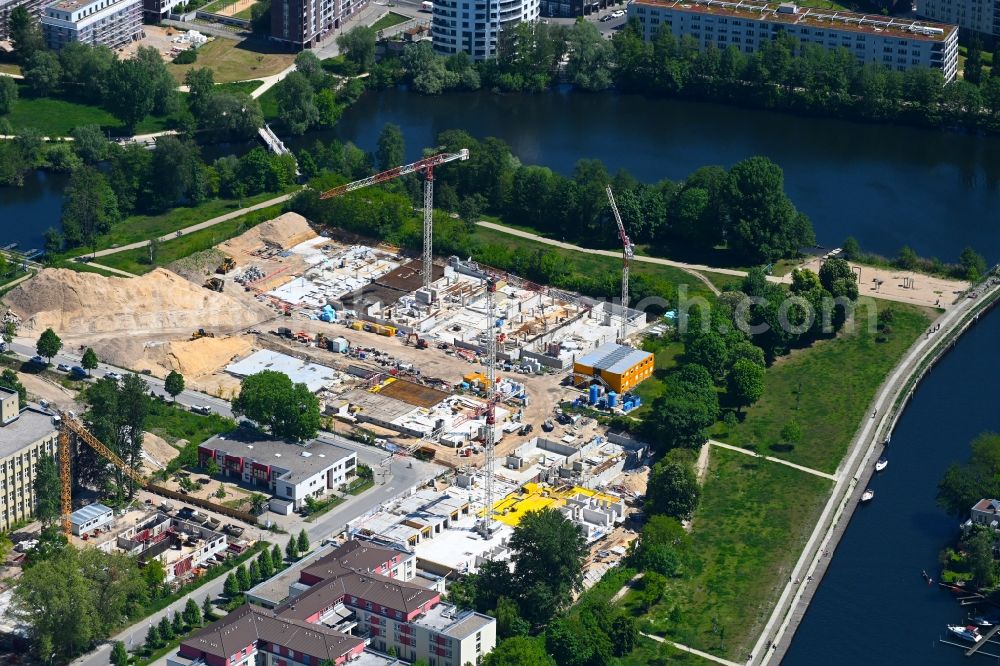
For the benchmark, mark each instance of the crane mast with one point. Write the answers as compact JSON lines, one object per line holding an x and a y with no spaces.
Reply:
{"x":491,"y":402}
{"x":627,"y":254}
{"x":425,"y":166}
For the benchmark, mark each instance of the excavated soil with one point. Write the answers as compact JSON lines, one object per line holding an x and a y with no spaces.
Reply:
{"x":285,"y":231}
{"x":87,"y":306}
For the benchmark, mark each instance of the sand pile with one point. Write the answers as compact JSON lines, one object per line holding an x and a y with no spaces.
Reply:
{"x":194,"y":358}
{"x":80,"y":305}
{"x":286,"y":230}
{"x":158,"y":449}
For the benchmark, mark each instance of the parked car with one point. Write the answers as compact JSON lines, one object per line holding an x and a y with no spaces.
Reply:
{"x":201,"y":409}
{"x":62,"y":367}
{"x":76,"y":372}
{"x":114,"y":375}
{"x":618,"y":13}
{"x":606,"y":18}
{"x":37,"y":360}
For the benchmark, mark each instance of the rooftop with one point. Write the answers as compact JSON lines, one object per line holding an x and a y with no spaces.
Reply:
{"x":448,"y":620}
{"x":313,"y":375}
{"x":613,"y":357}
{"x":248,"y":624}
{"x":791,"y":14}
{"x":89,"y":512}
{"x":31,"y":425}
{"x":301,"y":460}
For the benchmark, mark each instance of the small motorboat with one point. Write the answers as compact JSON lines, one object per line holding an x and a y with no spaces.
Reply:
{"x":882,"y":463}
{"x":926,"y":577}
{"x":966,"y":633}
{"x":984,"y":622}
{"x":868,"y":495}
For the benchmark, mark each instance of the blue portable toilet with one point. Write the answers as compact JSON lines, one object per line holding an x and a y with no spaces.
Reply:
{"x":638,"y":401}
{"x":595,"y":392}
{"x":612,"y":399}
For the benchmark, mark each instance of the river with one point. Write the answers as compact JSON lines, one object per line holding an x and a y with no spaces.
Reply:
{"x":887,"y":186}
{"x":873,"y":607}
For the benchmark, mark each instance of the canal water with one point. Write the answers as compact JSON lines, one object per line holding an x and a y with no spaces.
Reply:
{"x":873,"y":607}
{"x":887,"y":186}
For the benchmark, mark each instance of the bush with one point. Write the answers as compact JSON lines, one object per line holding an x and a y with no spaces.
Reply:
{"x":186,"y":57}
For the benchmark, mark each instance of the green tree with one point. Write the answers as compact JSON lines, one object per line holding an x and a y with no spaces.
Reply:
{"x":42,"y":73}
{"x":519,"y":651}
{"x":192,"y":614}
{"x":233,"y":115}
{"x":153,"y":640}
{"x":673,"y":489}
{"x":765,"y":224}
{"x":746,"y":383}
{"x":25,"y":33}
{"x":254,"y":572}
{"x":47,"y":489}
{"x":154,"y":574}
{"x":708,"y":350}
{"x":509,"y":620}
{"x":688,"y":407}
{"x":358,"y":46}
{"x":207,"y":609}
{"x":8,"y":94}
{"x":90,"y":143}
{"x":302,"y":542}
{"x":287,"y":410}
{"x":979,"y":543}
{"x":9,"y":380}
{"x":118,"y":413}
{"x":624,"y":634}
{"x":391,"y":150}
{"x":258,"y":503}
{"x":972,"y":263}
{"x":291,"y":549}
{"x":89,"y":361}
{"x":9,"y":330}
{"x":243,"y":578}
{"x":265,"y":565}
{"x":177,"y":624}
{"x":548,"y":552}
{"x":852,"y":249}
{"x":119,"y":655}
{"x":231,"y":588}
{"x":166,"y":629}
{"x":907,"y":258}
{"x":277,"y":559}
{"x":89,"y":209}
{"x":48,"y":344}
{"x":86,"y":69}
{"x":130,"y":92}
{"x":296,"y":103}
{"x":590,"y":58}
{"x":973,"y":70}
{"x":173,"y":169}
{"x":964,"y":485}
{"x":201,"y":89}
{"x":174,"y":384}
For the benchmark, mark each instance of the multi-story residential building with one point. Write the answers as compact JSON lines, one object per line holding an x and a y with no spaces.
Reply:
{"x":292,"y":472}
{"x":303,"y":24}
{"x":895,"y":43}
{"x":359,"y":587}
{"x":25,"y":436}
{"x":155,"y":11}
{"x":976,"y":16}
{"x":473,"y":26}
{"x":111,"y":23}
{"x":570,"y":8}
{"x":34,"y":7}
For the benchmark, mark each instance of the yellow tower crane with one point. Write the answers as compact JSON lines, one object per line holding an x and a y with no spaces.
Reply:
{"x":69,"y":427}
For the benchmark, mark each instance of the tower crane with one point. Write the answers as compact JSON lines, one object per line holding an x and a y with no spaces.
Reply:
{"x":425,"y":166}
{"x":486,"y":527}
{"x":69,"y":426}
{"x":627,"y":254}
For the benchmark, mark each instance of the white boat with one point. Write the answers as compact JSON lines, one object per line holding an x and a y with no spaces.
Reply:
{"x":868,"y":495}
{"x":882,"y":463}
{"x":967,"y":633}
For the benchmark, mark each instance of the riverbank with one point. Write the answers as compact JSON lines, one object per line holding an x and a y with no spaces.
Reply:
{"x":858,"y":468}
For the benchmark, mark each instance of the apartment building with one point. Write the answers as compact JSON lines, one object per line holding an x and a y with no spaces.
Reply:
{"x":895,"y":43}
{"x":34,"y":7}
{"x":303,"y":24}
{"x":977,"y":16}
{"x":473,"y":26}
{"x":292,"y":472}
{"x":361,"y":594}
{"x":111,"y":23}
{"x":25,"y":436}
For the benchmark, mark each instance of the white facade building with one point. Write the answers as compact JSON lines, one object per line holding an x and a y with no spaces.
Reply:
{"x":895,"y":43}
{"x":473,"y":26}
{"x":982,"y":16}
{"x":111,"y":23}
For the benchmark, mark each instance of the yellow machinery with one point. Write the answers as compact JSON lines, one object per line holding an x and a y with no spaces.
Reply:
{"x":227,"y":265}
{"x":69,"y":427}
{"x":202,"y":333}
{"x":215,"y":284}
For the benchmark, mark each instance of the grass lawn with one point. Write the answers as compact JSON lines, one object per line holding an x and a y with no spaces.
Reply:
{"x":826,"y":389}
{"x":176,"y":423}
{"x":137,"y":261}
{"x":236,"y":61}
{"x":245,"y":87}
{"x":666,"y":354}
{"x":269,"y":103}
{"x":10,"y":68}
{"x":594,"y":264}
{"x":389,"y":20}
{"x":752,"y":522}
{"x":247,"y":13}
{"x":722,"y":281}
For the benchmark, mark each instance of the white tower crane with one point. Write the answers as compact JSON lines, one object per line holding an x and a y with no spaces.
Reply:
{"x":486,"y":526}
{"x":425,"y":166}
{"x":627,"y":254}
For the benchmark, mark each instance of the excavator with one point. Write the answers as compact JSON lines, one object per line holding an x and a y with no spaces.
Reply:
{"x":228,"y":264}
{"x":414,"y":339}
{"x":69,"y":427}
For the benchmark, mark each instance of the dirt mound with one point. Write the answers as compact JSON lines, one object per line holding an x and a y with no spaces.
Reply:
{"x":285,"y":231}
{"x":80,"y":305}
{"x":195,"y":358}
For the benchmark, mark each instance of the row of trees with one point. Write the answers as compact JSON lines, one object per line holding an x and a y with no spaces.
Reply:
{"x":782,"y":74}
{"x":971,"y":265}
{"x":263,"y":567}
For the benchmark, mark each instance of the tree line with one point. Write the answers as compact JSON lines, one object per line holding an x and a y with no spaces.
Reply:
{"x":783,"y":74}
